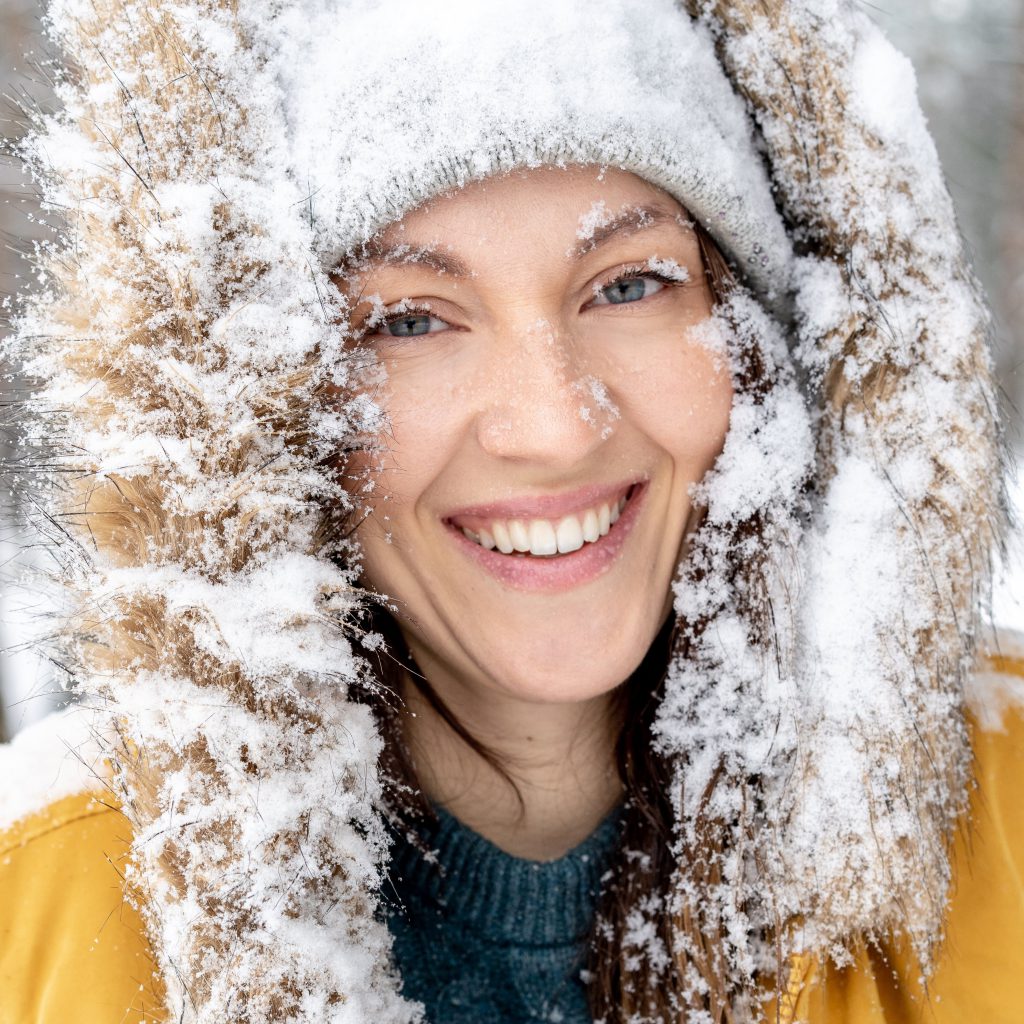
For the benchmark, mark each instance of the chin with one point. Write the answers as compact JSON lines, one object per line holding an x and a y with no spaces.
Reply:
{"x":571,"y":667}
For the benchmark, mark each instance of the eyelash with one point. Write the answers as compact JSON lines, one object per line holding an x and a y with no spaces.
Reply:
{"x":639,"y":270}
{"x":627,"y":274}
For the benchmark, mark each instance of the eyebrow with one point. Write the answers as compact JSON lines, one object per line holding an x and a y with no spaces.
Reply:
{"x":397,"y":255}
{"x":628,"y":222}
{"x":636,"y":218}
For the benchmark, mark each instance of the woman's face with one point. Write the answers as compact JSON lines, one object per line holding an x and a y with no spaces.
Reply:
{"x":545,"y":390}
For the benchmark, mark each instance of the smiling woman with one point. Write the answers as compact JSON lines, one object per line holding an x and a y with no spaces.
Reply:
{"x":545,"y":432}
{"x":524,"y":478}
{"x":551,"y":391}
{"x":552,"y":397}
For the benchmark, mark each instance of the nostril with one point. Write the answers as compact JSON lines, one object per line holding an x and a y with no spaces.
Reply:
{"x":545,"y":430}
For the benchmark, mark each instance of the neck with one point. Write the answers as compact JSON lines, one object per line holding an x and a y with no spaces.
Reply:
{"x":560,"y":776}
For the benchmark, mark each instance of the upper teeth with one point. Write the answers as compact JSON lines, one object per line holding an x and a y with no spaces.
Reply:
{"x":548,"y":536}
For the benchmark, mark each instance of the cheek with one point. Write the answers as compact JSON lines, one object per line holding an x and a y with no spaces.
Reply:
{"x":681,"y":397}
{"x":421,"y":433}
{"x":419,"y":424}
{"x":417,"y":387}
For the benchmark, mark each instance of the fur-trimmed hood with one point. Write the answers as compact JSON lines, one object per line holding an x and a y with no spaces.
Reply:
{"x":183,"y":350}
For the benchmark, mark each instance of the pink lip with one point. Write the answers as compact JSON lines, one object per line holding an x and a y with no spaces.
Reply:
{"x":564,"y":572}
{"x":551,"y":506}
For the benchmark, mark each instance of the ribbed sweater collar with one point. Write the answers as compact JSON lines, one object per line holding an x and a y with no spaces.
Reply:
{"x":506,"y":899}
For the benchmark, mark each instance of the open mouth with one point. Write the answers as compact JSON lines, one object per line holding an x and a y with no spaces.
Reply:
{"x":548,"y":538}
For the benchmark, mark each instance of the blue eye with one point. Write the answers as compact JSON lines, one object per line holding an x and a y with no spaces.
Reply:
{"x":628,"y":289}
{"x":412,"y":325}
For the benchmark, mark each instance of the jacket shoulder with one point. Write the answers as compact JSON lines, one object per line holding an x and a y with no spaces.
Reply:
{"x":979,"y":973}
{"x":57,"y":757}
{"x":995,"y":690}
{"x":72,"y":945}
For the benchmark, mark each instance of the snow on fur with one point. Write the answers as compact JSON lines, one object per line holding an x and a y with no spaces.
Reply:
{"x":892,"y":332}
{"x":213,"y":161}
{"x":185,"y":348}
{"x":727,"y":718}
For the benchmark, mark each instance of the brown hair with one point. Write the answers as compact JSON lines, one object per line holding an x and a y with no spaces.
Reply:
{"x":624,"y":986}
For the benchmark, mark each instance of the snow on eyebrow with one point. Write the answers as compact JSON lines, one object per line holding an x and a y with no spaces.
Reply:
{"x":597,"y":216}
{"x":378,"y":253}
{"x":626,"y":221}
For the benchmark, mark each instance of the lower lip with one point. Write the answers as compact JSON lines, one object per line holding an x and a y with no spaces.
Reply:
{"x":564,"y":572}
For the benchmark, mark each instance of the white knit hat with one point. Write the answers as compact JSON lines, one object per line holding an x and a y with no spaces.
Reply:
{"x":391,"y":104}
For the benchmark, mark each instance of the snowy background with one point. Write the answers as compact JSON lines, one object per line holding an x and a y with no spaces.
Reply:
{"x":969,"y":56}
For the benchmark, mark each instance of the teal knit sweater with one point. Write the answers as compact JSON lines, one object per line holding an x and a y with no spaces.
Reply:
{"x":481,"y":936}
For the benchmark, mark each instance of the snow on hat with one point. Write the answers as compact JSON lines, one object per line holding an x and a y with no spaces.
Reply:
{"x":391,"y":104}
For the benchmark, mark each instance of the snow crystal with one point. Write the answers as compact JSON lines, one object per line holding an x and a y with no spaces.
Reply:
{"x":668,"y":268}
{"x":597,"y":391}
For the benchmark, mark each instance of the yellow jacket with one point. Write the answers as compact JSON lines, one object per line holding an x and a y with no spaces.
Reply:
{"x":73,"y":949}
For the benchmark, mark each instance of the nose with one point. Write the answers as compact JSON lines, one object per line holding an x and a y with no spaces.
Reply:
{"x":537,"y":402}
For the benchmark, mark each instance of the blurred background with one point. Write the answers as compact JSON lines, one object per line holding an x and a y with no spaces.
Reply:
{"x":969,"y":56}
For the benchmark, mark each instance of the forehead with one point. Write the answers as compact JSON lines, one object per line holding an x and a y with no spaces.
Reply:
{"x":563,"y":211}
